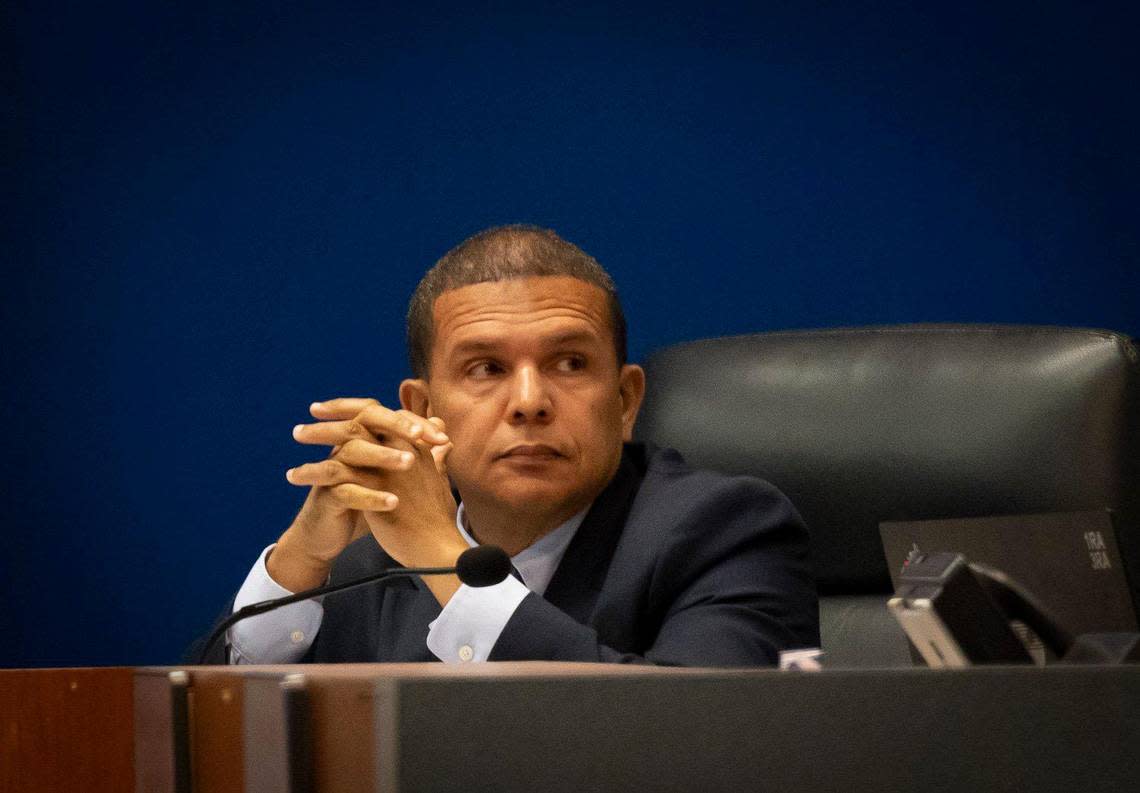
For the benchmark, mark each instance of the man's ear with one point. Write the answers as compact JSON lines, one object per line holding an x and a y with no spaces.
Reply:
{"x":632,"y":385}
{"x":414,"y":397}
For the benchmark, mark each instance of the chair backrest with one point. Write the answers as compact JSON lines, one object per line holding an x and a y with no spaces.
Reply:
{"x":913,"y":422}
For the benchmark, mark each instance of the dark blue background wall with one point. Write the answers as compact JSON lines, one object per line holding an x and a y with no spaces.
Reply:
{"x":214,"y":216}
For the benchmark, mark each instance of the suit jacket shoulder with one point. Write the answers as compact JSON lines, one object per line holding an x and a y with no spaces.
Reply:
{"x":702,"y":569}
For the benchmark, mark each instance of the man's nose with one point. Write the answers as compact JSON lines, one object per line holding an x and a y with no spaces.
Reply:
{"x":530,"y":396}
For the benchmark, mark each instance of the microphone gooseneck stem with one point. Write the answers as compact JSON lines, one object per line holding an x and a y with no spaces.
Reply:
{"x":253,"y":609}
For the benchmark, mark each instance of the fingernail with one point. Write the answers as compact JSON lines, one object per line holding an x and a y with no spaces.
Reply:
{"x":289,"y":474}
{"x":390,"y":502}
{"x":316,"y":406}
{"x":297,"y":430}
{"x":406,"y":458}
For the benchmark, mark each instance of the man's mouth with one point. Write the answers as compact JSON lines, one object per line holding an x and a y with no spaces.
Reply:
{"x":531,"y":451}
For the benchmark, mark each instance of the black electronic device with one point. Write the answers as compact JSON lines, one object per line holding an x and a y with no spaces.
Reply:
{"x":957,"y":614}
{"x":965,"y":610}
{"x":948,"y":617}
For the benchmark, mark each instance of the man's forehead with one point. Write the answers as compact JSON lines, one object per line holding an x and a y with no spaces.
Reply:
{"x":558,"y":304}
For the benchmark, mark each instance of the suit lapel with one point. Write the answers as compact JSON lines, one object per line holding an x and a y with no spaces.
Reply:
{"x":576,"y":583}
{"x":407,"y":612}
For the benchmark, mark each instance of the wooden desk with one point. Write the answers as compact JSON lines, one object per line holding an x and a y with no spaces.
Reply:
{"x":66,"y":730}
{"x":270,"y":728}
{"x":557,"y":727}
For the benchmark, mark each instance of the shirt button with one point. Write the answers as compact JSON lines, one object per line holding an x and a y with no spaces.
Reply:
{"x":466,"y":653}
{"x":297,"y":637}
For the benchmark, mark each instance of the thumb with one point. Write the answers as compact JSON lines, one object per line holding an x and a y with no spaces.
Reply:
{"x":359,"y":526}
{"x":439,"y":455}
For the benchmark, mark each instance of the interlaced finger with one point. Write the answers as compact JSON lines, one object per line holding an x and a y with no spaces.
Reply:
{"x":352,"y":417}
{"x":323,"y":473}
{"x":362,"y":454}
{"x":341,"y":408}
{"x":353,"y":496}
{"x":402,"y":424}
{"x":332,"y":433}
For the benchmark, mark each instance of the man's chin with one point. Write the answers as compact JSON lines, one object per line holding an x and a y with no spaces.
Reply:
{"x":528,"y":494}
{"x":540,"y":497}
{"x":534,"y":492}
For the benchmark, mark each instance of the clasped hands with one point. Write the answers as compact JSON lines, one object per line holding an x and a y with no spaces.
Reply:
{"x":387,"y":474}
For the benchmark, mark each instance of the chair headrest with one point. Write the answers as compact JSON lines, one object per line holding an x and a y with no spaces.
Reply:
{"x":861,"y":425}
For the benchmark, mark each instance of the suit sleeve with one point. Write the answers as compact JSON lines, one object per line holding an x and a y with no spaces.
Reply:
{"x":282,"y":636}
{"x":727,"y":582}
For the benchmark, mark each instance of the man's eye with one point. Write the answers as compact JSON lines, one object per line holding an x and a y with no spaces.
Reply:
{"x":484,"y":369}
{"x":571,"y":363}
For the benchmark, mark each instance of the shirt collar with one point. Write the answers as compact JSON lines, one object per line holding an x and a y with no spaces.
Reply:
{"x":537,"y":562}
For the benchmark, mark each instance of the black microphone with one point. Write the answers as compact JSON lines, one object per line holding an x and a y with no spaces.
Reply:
{"x":483,"y":565}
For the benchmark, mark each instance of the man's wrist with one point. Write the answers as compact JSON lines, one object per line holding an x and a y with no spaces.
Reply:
{"x":446,"y":554}
{"x":450,"y":549}
{"x":293,"y":568}
{"x":442,"y":586}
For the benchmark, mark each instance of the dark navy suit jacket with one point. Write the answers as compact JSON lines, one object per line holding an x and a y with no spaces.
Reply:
{"x":671,"y":566}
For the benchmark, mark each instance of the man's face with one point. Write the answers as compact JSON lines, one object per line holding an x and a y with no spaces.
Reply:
{"x":525,"y":376}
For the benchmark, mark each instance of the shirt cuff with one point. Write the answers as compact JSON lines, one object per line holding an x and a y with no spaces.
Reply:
{"x":471,"y":622}
{"x":281,"y":636}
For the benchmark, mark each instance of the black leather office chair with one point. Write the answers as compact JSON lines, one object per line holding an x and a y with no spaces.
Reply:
{"x":862,"y":425}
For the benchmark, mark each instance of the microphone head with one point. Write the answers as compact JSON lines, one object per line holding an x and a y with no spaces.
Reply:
{"x":483,"y":565}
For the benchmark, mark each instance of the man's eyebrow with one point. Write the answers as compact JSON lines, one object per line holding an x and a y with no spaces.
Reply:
{"x":475,"y":346}
{"x":572,"y":337}
{"x":483,"y":346}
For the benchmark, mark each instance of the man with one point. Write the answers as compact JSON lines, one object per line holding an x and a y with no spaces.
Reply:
{"x":523,"y":402}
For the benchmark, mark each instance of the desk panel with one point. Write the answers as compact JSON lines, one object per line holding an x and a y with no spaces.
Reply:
{"x":63,"y":730}
{"x":992,"y":729}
